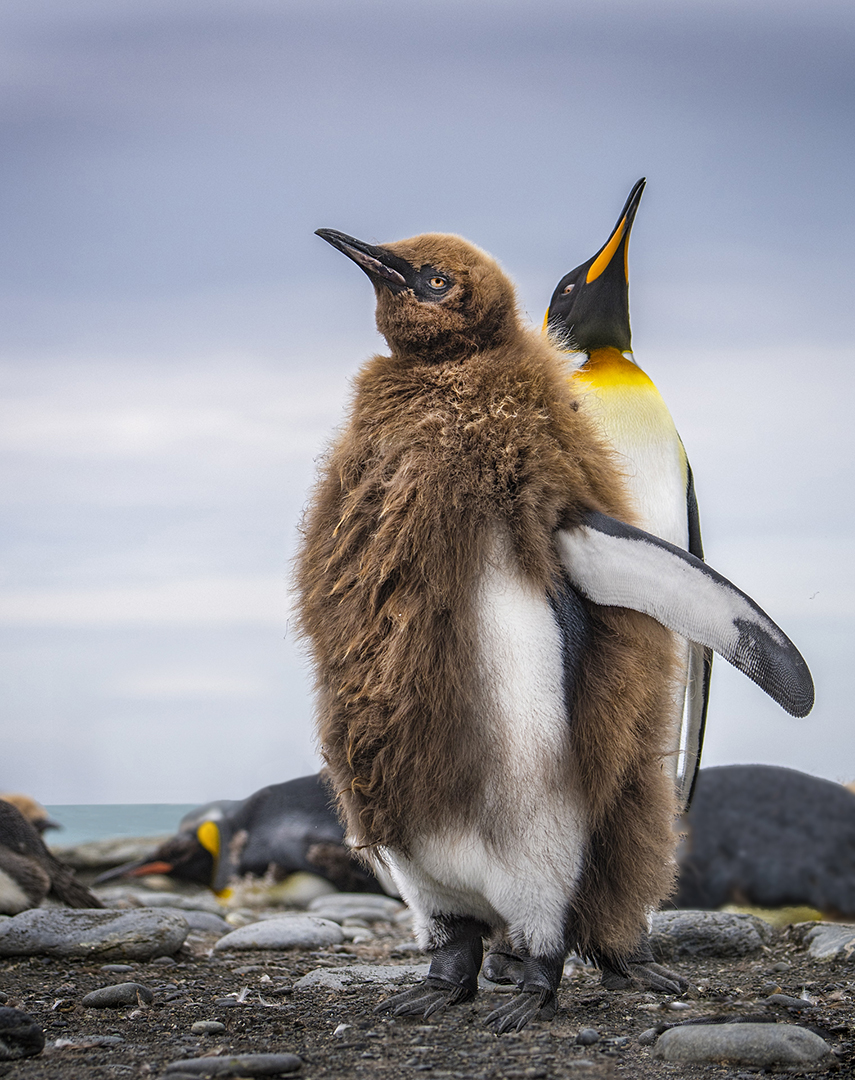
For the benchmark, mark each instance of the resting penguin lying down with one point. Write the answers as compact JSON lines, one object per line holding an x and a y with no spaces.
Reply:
{"x":488,"y":633}
{"x":768,"y":837}
{"x":283,"y":828}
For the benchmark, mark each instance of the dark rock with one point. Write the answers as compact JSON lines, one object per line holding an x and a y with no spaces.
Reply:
{"x":134,"y":935}
{"x":20,"y":1035}
{"x":119,"y":996}
{"x":826,"y":941}
{"x":587,"y":1036}
{"x":706,"y":934}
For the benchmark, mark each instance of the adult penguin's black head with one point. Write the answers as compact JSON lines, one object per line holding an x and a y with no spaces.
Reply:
{"x":439,"y":297}
{"x":590,"y":306}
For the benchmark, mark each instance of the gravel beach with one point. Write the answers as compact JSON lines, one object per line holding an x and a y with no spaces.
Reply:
{"x":221,"y":1004}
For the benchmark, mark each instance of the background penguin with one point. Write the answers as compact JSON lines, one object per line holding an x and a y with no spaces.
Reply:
{"x":28,"y":871}
{"x":285,"y":827}
{"x":33,"y":811}
{"x":769,"y":837}
{"x":588,"y":317}
{"x":490,"y":699}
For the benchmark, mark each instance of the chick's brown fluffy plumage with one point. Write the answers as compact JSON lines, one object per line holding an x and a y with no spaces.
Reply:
{"x":468,"y":430}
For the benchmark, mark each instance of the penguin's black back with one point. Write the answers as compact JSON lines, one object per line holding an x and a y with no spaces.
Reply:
{"x":281,"y":821}
{"x":771,"y":837}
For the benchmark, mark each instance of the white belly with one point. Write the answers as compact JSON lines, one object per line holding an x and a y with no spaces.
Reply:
{"x":520,"y":865}
{"x":13,"y":899}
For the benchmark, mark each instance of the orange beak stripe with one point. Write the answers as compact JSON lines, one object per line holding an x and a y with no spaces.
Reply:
{"x":605,"y":257}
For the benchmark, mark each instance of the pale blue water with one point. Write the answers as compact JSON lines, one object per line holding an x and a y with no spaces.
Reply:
{"x":82,"y":822}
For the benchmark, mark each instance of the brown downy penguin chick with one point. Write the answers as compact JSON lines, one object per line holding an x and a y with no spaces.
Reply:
{"x":33,"y":811}
{"x":28,"y":871}
{"x":490,"y":708}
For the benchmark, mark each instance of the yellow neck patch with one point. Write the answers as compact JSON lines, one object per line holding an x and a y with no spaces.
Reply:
{"x":208,"y":836}
{"x":609,"y":369}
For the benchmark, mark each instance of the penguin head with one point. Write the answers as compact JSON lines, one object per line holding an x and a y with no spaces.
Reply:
{"x":590,"y":306}
{"x":438,"y":296}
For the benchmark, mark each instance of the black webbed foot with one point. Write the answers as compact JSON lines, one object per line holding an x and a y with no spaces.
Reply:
{"x":523,"y":1007}
{"x":428,"y":997}
{"x":536,"y":998}
{"x":453,"y":973}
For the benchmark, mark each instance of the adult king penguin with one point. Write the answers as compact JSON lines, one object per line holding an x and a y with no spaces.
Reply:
{"x":588,"y":317}
{"x":491,"y":685}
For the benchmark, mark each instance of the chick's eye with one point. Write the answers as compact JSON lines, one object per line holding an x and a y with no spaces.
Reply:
{"x":567,"y":289}
{"x":437,"y":282}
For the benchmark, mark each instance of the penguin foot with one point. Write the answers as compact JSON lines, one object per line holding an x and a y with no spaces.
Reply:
{"x":428,"y":997}
{"x":524,"y":1007}
{"x":639,"y":971}
{"x":538,"y":983}
{"x":647,"y":976}
{"x":453,"y":973}
{"x":503,"y":966}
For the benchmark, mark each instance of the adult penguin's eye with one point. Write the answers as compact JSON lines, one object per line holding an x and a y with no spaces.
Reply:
{"x":568,"y":289}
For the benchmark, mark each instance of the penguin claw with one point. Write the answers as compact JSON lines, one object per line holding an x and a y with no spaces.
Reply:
{"x":427,"y":998}
{"x":520,"y":1010}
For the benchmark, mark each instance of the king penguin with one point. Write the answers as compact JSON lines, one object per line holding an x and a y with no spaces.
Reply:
{"x":588,"y":317}
{"x":487,"y":628}
{"x":282,"y":829}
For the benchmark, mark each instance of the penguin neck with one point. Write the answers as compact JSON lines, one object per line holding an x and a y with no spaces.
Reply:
{"x":609,"y":368}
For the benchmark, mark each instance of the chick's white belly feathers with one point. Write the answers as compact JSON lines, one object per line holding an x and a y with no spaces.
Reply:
{"x":518,"y":865}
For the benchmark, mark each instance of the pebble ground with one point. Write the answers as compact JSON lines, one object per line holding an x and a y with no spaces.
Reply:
{"x":339,"y":1037}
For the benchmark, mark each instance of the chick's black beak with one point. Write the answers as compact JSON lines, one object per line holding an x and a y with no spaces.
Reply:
{"x":380,"y":265}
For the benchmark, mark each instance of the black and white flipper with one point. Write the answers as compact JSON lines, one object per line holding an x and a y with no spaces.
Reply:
{"x":614,"y":564}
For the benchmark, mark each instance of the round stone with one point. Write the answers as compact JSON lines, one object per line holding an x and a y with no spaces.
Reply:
{"x":207,"y":1027}
{"x":286,"y":932}
{"x":760,"y":1045}
{"x":119,"y":996}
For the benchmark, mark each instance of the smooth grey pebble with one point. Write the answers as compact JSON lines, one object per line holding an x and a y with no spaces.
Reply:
{"x":587,"y":1036}
{"x":118,"y":996}
{"x":799,"y":1004}
{"x":207,"y":1027}
{"x":235,"y":1065}
{"x":284,"y":932}
{"x":762,"y":1045}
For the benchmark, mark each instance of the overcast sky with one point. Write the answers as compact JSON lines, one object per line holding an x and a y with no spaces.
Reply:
{"x":176,"y":345}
